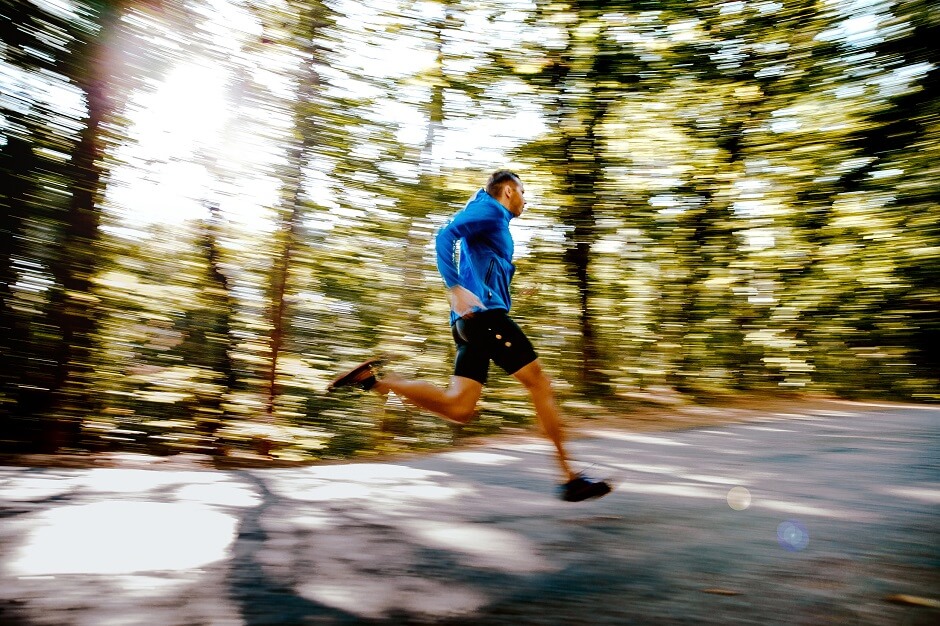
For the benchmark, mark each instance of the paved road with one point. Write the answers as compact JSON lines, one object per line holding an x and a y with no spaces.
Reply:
{"x":796,"y":519}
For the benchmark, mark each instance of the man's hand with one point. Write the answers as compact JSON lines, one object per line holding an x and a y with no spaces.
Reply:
{"x":463,"y":301}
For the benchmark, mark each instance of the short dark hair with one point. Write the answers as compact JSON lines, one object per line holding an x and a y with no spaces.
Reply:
{"x":499,"y":179}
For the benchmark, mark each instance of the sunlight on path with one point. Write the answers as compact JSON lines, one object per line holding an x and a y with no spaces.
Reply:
{"x":123,"y":538}
{"x":381,"y":539}
{"x":483,"y":546}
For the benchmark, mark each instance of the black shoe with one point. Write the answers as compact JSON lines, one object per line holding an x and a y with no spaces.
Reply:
{"x":362,"y":376}
{"x":582,"y":488}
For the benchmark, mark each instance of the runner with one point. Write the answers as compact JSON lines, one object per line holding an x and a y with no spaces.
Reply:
{"x":477,"y":278}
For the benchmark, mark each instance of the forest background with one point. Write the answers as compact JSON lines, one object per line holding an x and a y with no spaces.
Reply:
{"x":211,"y":206}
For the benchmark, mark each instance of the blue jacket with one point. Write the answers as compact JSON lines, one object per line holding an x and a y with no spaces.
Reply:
{"x":484,"y":264}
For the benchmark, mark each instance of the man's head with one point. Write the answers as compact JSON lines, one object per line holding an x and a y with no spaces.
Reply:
{"x":508,"y":190}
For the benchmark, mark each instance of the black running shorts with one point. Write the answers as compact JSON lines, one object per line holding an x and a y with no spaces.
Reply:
{"x":486,"y":336}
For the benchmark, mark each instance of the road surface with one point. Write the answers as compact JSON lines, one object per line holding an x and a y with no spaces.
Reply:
{"x":829,"y":516}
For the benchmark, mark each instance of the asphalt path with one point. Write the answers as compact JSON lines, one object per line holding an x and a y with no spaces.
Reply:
{"x":829,"y":516}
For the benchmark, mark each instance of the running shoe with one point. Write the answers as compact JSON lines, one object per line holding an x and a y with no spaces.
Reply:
{"x":362,"y":376}
{"x":583,"y":488}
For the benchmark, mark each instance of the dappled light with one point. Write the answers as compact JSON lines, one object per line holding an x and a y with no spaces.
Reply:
{"x":482,"y":458}
{"x":673,"y":489}
{"x":923,"y":494}
{"x":110,"y":480}
{"x":815,"y":510}
{"x":124,"y":537}
{"x":718,"y":480}
{"x":393,"y":593}
{"x":31,"y":488}
{"x":659,"y":441}
{"x":226,"y":494}
{"x":480,"y":546}
{"x":389,"y":484}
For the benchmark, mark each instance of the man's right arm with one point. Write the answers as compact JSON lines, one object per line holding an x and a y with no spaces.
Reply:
{"x":463,"y":302}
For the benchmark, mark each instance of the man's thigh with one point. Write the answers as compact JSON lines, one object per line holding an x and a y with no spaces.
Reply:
{"x":495,"y":336}
{"x":473,"y":359}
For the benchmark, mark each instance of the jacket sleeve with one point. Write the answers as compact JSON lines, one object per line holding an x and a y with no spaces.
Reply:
{"x":465,"y":224}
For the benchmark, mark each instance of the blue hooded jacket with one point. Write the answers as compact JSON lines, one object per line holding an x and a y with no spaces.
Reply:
{"x":484,"y":265}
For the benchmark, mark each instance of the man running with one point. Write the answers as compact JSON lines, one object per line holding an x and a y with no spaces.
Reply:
{"x":477,"y":278}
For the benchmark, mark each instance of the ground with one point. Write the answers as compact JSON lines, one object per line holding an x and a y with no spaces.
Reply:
{"x":813,"y":512}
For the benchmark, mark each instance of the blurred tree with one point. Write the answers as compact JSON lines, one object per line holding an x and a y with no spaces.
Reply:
{"x":19,"y":171}
{"x":214,"y":337}
{"x":426,"y":195}
{"x":443,"y":91}
{"x":581,"y":70}
{"x":90,"y":67}
{"x":586,"y":71}
{"x":53,"y":162}
{"x":739,"y":240}
{"x":313,"y":19}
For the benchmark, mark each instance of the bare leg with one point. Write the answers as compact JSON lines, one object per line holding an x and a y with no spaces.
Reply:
{"x":457,"y":403}
{"x":539,"y":385}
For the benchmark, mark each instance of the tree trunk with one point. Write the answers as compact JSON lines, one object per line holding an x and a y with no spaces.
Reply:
{"x":72,"y":303}
{"x":582,"y":176}
{"x":305,"y":129}
{"x":16,"y":395}
{"x":220,"y":284}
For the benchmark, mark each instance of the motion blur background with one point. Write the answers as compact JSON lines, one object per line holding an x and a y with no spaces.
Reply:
{"x":209,"y":206}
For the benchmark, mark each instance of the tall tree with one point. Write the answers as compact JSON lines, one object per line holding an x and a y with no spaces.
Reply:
{"x":313,"y":19}
{"x":580,"y":70}
{"x":58,"y":43}
{"x":20,"y":167}
{"x":91,"y":68}
{"x":425,"y":199}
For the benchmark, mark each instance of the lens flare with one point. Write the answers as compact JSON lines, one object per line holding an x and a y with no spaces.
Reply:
{"x":792,"y":536}
{"x":739,"y":498}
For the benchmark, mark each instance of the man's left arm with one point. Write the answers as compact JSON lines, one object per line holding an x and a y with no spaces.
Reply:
{"x":465,"y":224}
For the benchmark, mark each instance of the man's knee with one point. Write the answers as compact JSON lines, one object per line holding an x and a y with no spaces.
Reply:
{"x":462,"y":415}
{"x":534,"y":378}
{"x":462,"y":404}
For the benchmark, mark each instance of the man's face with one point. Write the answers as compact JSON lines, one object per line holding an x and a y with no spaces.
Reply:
{"x":515,"y":197}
